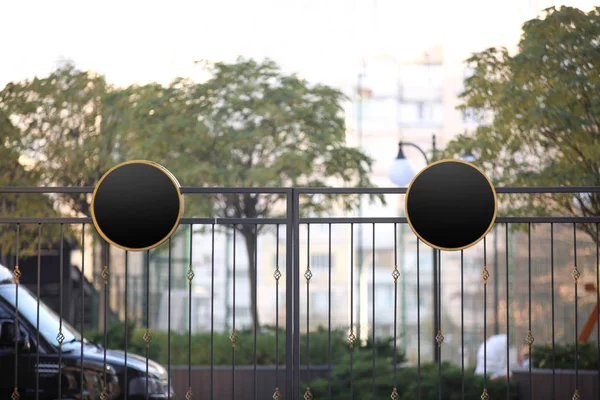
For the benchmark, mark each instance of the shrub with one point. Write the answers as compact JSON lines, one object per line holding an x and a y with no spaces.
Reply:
{"x":408,"y":381}
{"x":564,"y":356}
{"x":222,"y":351}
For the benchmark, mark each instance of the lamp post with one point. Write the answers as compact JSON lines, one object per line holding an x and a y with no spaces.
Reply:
{"x":360,"y":91}
{"x":401,"y":173}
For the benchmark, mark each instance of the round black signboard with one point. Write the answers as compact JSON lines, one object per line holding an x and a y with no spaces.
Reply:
{"x":451,"y":205}
{"x":137,"y":205}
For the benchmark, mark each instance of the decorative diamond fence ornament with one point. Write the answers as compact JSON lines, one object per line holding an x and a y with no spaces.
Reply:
{"x":147,"y":337}
{"x":575,"y":274}
{"x":190,"y":274}
{"x":395,"y":395}
{"x":15,"y":394}
{"x":105,"y":274}
{"x":189,"y":395}
{"x":485,"y":395}
{"x":308,"y":275}
{"x":17,"y":274}
{"x":351,"y":339}
{"x":439,"y":338}
{"x":276,"y":395}
{"x":485,"y":275}
{"x":233,"y":337}
{"x":529,"y":339}
{"x":395,"y":274}
{"x":277,"y":274}
{"x":308,"y":395}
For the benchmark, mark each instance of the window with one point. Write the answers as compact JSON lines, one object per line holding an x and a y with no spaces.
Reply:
{"x":320,"y":261}
{"x":383,"y":258}
{"x":4,"y":314}
{"x":49,"y":320}
{"x":319,"y":302}
{"x":469,"y":116}
{"x":384,"y":295}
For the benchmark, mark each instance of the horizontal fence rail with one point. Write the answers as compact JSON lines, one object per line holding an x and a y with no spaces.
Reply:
{"x":301,"y":307}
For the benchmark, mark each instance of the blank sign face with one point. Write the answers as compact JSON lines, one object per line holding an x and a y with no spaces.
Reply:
{"x":137,"y":205}
{"x":451,"y":205}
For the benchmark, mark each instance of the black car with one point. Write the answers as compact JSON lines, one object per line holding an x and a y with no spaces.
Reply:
{"x":45,"y":375}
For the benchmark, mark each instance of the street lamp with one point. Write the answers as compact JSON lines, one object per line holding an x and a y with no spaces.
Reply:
{"x":401,"y":173}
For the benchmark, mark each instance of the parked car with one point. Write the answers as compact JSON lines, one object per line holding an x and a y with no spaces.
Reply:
{"x":46,"y":373}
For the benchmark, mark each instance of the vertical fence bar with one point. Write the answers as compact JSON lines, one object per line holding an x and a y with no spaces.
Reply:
{"x":598,"y":300}
{"x":255,"y":255}
{"x":190,"y":276}
{"x":419,"y":320}
{"x":351,"y":336}
{"x":307,"y":276}
{"x":277,"y":276}
{"x":233,"y":335}
{"x":82,"y":309}
{"x":529,"y":338}
{"x":507,"y":319}
{"x":60,"y":336}
{"x":296,"y":291}
{"x":395,"y":277}
{"x":552,"y":294}
{"x":496,"y":279}
{"x":289,"y":280}
{"x":329,"y":320}
{"x":212,"y":314}
{"x":373,"y":311}
{"x":169,"y":323}
{"x":147,"y":334}
{"x":462,"y":322}
{"x":440,"y":336}
{"x":105,"y":275}
{"x":485,"y":275}
{"x":576,"y":274}
{"x":37,"y":321}
{"x":17,"y":275}
{"x":126,"y":383}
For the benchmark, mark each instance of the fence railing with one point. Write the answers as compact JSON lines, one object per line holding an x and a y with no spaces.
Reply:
{"x":329,"y":323}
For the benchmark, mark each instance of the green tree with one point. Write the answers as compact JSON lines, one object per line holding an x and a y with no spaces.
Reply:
{"x":251,"y":125}
{"x":14,"y":173}
{"x":70,"y":127}
{"x":539,"y":113}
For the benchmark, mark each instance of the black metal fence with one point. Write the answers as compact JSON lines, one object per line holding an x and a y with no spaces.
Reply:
{"x":186,"y":307}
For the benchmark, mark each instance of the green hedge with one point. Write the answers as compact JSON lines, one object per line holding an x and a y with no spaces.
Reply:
{"x":564,"y":356}
{"x":244,"y":349}
{"x":408,"y":381}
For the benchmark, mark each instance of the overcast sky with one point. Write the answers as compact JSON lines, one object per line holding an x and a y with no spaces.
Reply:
{"x":323,"y":40}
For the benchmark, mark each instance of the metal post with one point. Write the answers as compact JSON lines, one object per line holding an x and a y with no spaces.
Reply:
{"x":436,"y":314}
{"x":403,"y":286}
{"x":434,"y":264}
{"x":289,"y":295}
{"x":145,"y":278}
{"x":359,"y":250}
{"x":227,"y":280}
{"x":496,"y":300}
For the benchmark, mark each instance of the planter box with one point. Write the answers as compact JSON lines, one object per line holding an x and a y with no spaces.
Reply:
{"x":244,"y":381}
{"x":564,"y":384}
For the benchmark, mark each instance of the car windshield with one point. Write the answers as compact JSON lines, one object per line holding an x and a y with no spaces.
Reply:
{"x":49,"y":320}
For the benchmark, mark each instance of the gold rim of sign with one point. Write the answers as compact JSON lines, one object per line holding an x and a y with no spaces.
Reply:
{"x":475,"y":241}
{"x":171,"y":178}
